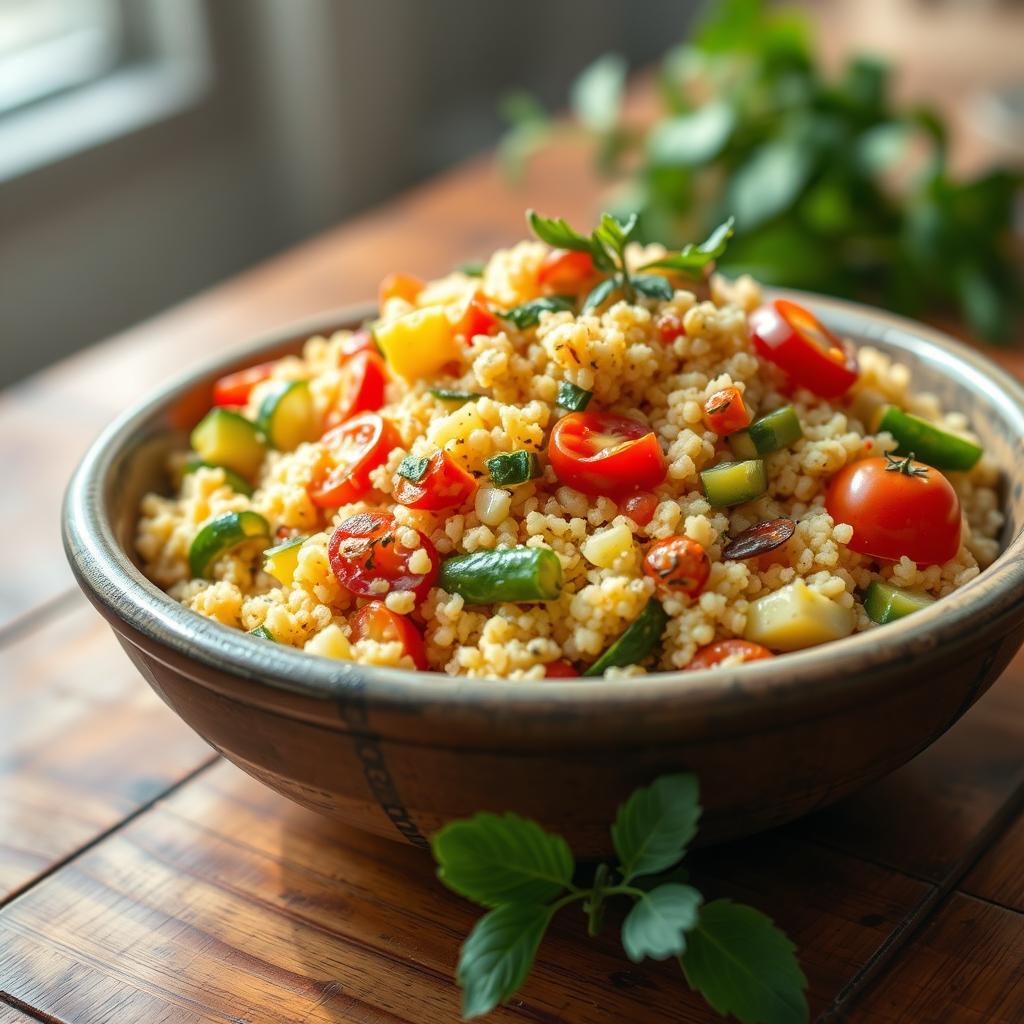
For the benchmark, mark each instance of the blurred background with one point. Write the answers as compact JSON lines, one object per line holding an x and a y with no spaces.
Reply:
{"x":150,"y":148}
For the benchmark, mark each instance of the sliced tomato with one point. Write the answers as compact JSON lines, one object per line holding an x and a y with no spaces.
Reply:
{"x":678,"y":564}
{"x":399,"y":286}
{"x":364,"y":377}
{"x":359,"y":341}
{"x":473,"y":317}
{"x":235,"y":388}
{"x":364,"y":550}
{"x":560,"y":669}
{"x":357,"y":448}
{"x":716,"y":653}
{"x":598,"y":453}
{"x":796,"y":341}
{"x":566,"y":270}
{"x":669,"y":327}
{"x":725,"y":412}
{"x":445,"y":484}
{"x":375,"y":621}
{"x":640,"y":507}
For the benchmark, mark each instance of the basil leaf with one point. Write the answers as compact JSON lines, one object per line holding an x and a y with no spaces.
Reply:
{"x":693,"y":258}
{"x":496,"y":958}
{"x":655,"y":824}
{"x":770,"y":182}
{"x":742,"y":964}
{"x":654,"y":286}
{"x":599,"y":293}
{"x":656,"y":927}
{"x":413,"y":468}
{"x":596,"y":95}
{"x":692,"y":139}
{"x":528,"y":314}
{"x":555,"y":231}
{"x":613,"y":234}
{"x":494,"y":859}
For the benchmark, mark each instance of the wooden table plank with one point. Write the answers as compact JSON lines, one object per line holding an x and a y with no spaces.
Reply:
{"x":999,"y":875}
{"x":12,"y":1015}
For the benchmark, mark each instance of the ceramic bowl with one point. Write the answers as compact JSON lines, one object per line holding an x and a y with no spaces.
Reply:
{"x":398,"y":753}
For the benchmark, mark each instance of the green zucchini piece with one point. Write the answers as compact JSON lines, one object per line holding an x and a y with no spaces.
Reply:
{"x":225,"y":438}
{"x":413,"y":468}
{"x":231,"y":478}
{"x":769,"y":433}
{"x":637,"y":643}
{"x":573,"y":398}
{"x":287,"y":416}
{"x":263,"y":633}
{"x":884,"y":603}
{"x":447,"y":395}
{"x":222,"y":534}
{"x":504,"y":574}
{"x":927,"y":442}
{"x":732,"y":483}
{"x":511,"y":468}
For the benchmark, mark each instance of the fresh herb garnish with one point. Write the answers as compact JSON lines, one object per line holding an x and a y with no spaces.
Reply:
{"x":413,"y":468}
{"x":472,"y":268}
{"x":528,"y":314}
{"x":730,"y":953}
{"x":572,"y":397}
{"x":448,"y":395}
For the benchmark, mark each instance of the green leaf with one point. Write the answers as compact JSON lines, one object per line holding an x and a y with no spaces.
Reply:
{"x":656,"y":927}
{"x":413,"y":468}
{"x":599,"y":293}
{"x":654,"y":286}
{"x":692,"y":139}
{"x":498,"y":954}
{"x":742,"y":964}
{"x":610,"y":237}
{"x":596,"y":95}
{"x":693,"y":258}
{"x":557,"y":232}
{"x":770,"y":182}
{"x":982,"y":305}
{"x":528,"y":314}
{"x":472,"y":268}
{"x":655,"y":824}
{"x":494,"y":859}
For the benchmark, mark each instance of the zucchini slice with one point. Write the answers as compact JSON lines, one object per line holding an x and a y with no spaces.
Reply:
{"x":225,"y":438}
{"x":927,"y":442}
{"x":884,"y":603}
{"x":771,"y":432}
{"x":222,"y":534}
{"x":287,"y":416}
{"x":732,"y":483}
{"x":637,"y":643}
{"x":263,"y":633}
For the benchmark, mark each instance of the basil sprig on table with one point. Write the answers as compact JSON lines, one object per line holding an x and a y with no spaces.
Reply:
{"x":731,"y":953}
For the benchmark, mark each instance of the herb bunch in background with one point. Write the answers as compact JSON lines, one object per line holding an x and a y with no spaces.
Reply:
{"x":730,"y":953}
{"x":834,"y":188}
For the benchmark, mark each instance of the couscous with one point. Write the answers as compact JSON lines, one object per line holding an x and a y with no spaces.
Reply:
{"x":584,"y":457}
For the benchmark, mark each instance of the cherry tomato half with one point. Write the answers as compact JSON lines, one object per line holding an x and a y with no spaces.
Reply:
{"x":598,"y":453}
{"x":364,"y":549}
{"x":716,"y":653}
{"x":399,"y":286}
{"x":678,"y":564}
{"x":375,"y":621}
{"x":357,"y":448}
{"x":725,"y":412}
{"x":235,"y":388}
{"x":473,"y":317}
{"x":897,"y":507}
{"x":560,"y":669}
{"x":364,"y":376}
{"x":445,"y":484}
{"x":640,"y":507}
{"x":796,"y":341}
{"x":358,"y":341}
{"x":566,"y":270}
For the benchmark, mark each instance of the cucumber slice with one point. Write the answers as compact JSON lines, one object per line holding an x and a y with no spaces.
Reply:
{"x":287,"y":416}
{"x":222,"y":534}
{"x":637,"y":643}
{"x":263,"y":633}
{"x":503,"y":574}
{"x":225,"y":438}
{"x":447,"y":395}
{"x":732,"y":483}
{"x":231,"y":478}
{"x":282,"y":560}
{"x":573,"y":398}
{"x":884,"y":603}
{"x":927,"y":442}
{"x":776,"y":430}
{"x":511,"y":468}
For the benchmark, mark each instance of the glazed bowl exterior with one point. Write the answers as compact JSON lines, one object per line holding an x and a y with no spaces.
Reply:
{"x":398,"y":753}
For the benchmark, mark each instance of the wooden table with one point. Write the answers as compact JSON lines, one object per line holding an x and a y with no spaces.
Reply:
{"x":144,"y":881}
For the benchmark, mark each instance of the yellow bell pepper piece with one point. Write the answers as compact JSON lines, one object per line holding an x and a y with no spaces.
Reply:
{"x":419,"y":343}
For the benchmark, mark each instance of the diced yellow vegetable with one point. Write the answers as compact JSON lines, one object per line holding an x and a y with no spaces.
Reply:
{"x":606,"y":546}
{"x":456,"y":426}
{"x":795,"y":617}
{"x":282,"y":561}
{"x":330,"y":642}
{"x":419,"y":343}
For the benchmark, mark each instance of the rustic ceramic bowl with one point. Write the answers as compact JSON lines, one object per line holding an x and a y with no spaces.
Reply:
{"x":399,"y":753}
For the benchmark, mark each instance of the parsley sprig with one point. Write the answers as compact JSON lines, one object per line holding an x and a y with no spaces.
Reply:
{"x":732,"y":954}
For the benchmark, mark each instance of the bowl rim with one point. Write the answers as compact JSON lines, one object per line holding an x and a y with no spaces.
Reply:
{"x":113,"y":582}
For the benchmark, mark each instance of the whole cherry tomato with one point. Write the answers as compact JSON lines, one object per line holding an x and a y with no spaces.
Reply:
{"x":399,"y":286}
{"x":598,"y":453}
{"x":473,"y":317}
{"x":560,"y":669}
{"x":364,"y":376}
{"x":357,"y":447}
{"x":234,"y":389}
{"x":445,"y":484}
{"x":640,"y":507}
{"x":725,"y":412}
{"x":566,"y":270}
{"x":796,"y":341}
{"x":364,"y":550}
{"x":375,"y":621}
{"x":897,"y":507}
{"x":716,"y":653}
{"x":678,"y":564}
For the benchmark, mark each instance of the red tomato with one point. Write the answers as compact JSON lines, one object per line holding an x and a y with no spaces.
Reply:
{"x":399,"y":286}
{"x":364,"y":376}
{"x":796,"y":341}
{"x":640,"y":507}
{"x":445,"y":484}
{"x":599,"y":453}
{"x":669,"y":327}
{"x":474,"y":318}
{"x":364,"y":549}
{"x":716,"y":653}
{"x":897,"y":507}
{"x":560,"y":669}
{"x":565,"y":270}
{"x":234,"y":389}
{"x":725,"y":412}
{"x":357,"y":448}
{"x":359,"y":341}
{"x":375,"y":621}
{"x":678,"y":564}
